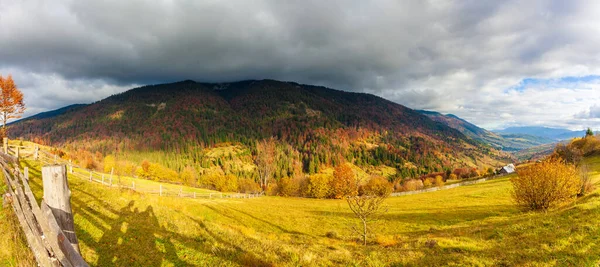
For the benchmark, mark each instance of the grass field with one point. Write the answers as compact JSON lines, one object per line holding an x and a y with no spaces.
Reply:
{"x":475,"y":225}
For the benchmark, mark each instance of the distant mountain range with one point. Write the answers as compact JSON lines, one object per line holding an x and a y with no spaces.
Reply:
{"x":503,"y":141}
{"x":556,"y":134}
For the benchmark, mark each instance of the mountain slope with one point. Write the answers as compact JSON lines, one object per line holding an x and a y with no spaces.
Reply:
{"x":314,"y":127}
{"x":506,"y":142}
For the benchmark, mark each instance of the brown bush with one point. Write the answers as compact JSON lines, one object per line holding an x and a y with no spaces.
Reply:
{"x":344,"y":182}
{"x":412,"y":185}
{"x":377,"y":186}
{"x":545,"y":185}
{"x":246,"y":185}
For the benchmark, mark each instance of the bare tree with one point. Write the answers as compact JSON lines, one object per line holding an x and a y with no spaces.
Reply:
{"x":265,"y":159}
{"x":365,"y":207}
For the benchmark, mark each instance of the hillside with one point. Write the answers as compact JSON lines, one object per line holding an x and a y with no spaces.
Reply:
{"x":502,"y":141}
{"x":181,"y":125}
{"x":476,"y":225}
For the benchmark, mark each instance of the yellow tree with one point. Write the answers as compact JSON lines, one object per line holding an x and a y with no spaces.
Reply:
{"x":265,"y":160}
{"x":11,"y":101}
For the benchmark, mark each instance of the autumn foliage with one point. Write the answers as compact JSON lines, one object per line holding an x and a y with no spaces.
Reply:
{"x":344,"y":182}
{"x":546,"y":185}
{"x":11,"y":100}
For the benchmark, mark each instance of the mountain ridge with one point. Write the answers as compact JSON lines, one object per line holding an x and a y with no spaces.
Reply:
{"x":315,"y":126}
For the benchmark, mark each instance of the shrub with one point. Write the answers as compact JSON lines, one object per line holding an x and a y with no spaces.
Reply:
{"x":412,"y":185}
{"x":319,"y":186}
{"x":439,"y":181}
{"x":344,"y":182}
{"x":332,"y":235}
{"x":377,"y":186}
{"x":386,"y":240}
{"x":189,"y":176}
{"x":545,"y":185}
{"x":427,"y":182}
{"x":287,"y":187}
{"x":453,"y":177}
{"x":246,"y":185}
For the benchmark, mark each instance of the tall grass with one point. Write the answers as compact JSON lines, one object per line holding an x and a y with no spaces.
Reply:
{"x":13,"y":245}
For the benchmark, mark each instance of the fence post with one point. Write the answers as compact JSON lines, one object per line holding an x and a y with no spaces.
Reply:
{"x":160,"y":191}
{"x":194,"y":194}
{"x":57,"y":196}
{"x":55,"y":159}
{"x":36,"y":150}
{"x":180,"y":192}
{"x":71,"y":166}
{"x":210,"y":195}
{"x":110,"y":181}
{"x":91,"y":175}
{"x":17,"y":152}
{"x":103,"y":179}
{"x":26,"y":173}
{"x":5,"y":141}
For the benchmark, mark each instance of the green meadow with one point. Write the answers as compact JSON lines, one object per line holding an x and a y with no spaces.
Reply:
{"x":476,"y":225}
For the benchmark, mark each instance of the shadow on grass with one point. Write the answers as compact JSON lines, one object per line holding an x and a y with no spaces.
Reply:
{"x":130,"y":236}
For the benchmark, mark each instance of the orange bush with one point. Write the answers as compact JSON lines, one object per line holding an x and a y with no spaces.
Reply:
{"x":344,"y":182}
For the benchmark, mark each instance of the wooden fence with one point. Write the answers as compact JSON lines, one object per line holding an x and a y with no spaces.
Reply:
{"x":109,"y":180}
{"x":49,"y":227}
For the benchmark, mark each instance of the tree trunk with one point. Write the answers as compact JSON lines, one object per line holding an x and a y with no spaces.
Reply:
{"x":364,"y":232}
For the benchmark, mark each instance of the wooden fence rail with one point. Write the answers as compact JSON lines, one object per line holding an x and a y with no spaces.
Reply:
{"x":48,"y":228}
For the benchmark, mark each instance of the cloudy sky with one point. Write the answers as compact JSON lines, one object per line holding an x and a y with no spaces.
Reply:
{"x":494,"y":63}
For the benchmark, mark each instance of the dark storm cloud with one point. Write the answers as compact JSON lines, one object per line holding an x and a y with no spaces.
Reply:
{"x":451,"y":56}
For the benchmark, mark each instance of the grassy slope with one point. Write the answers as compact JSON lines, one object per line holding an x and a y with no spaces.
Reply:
{"x":13,"y":245}
{"x":473,"y":225}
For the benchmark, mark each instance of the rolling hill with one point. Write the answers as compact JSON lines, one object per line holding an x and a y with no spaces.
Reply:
{"x":504,"y":141}
{"x":181,"y":125}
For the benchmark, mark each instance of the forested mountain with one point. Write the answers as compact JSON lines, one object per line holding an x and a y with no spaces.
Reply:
{"x":181,"y":124}
{"x":503,"y":141}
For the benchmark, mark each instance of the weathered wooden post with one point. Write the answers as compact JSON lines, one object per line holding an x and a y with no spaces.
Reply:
{"x":18,"y":152}
{"x":5,"y":141}
{"x":102,"y":179}
{"x":180,"y":192}
{"x":91,"y":173}
{"x":26,"y":174}
{"x":194,"y":194}
{"x":70,"y":166}
{"x":36,"y":151}
{"x":133,"y":185}
{"x":57,"y":196}
{"x":160,"y":190}
{"x":210,"y":195}
{"x":55,"y":159}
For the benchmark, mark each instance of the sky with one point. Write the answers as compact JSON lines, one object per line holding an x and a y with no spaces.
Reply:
{"x":494,"y":63}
